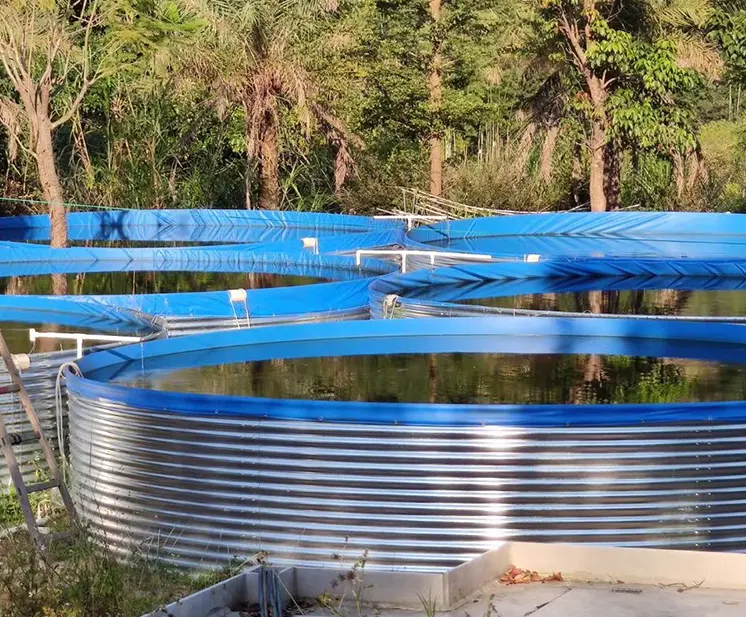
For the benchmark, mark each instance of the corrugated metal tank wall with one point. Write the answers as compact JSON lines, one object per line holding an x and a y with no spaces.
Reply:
{"x":201,"y":489}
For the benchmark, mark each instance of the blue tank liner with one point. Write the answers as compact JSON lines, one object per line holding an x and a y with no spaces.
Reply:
{"x":444,"y":285}
{"x":716,"y":342}
{"x":299,"y":264}
{"x":71,"y":312}
{"x":662,"y":235}
{"x":649,"y":225}
{"x":19,"y":259}
{"x":516,"y":287}
{"x":328,"y":245}
{"x":242,"y":226}
{"x":316,"y":298}
{"x":203,"y":479}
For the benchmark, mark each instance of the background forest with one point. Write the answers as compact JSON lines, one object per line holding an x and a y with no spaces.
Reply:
{"x":333,"y":104}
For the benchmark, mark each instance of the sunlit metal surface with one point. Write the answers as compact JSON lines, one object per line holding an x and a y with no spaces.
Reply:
{"x":395,"y":307}
{"x":41,"y":377}
{"x":179,"y":326}
{"x":203,"y":489}
{"x":39,"y":380}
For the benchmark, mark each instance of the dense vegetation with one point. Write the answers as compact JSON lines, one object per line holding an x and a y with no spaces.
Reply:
{"x":329,"y":104}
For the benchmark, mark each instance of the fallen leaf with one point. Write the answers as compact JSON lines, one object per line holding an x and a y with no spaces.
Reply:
{"x":519,"y":576}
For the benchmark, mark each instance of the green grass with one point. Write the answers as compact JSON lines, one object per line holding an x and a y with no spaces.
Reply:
{"x":81,"y":578}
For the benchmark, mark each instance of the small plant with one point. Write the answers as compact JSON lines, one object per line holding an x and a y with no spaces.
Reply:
{"x":429,"y":605}
{"x":42,"y":503}
{"x":350,"y":583}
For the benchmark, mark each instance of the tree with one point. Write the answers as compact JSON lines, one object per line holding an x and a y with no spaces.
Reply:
{"x":46,"y":53}
{"x":250,"y":60}
{"x":629,"y":85}
{"x":435,"y":91}
{"x":426,"y":63}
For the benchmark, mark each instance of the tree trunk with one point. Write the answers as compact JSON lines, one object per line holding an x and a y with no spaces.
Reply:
{"x":435,"y":89}
{"x":50,"y":184}
{"x":247,"y":181}
{"x":524,"y":147}
{"x":577,"y":175}
{"x":547,"y":153}
{"x":16,"y":286}
{"x":678,"y":172}
{"x":341,"y":169}
{"x":269,"y":168}
{"x":436,"y":166}
{"x":613,"y":179}
{"x":597,"y":146}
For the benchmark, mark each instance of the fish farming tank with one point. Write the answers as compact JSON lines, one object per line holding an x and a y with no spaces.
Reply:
{"x":423,"y":441}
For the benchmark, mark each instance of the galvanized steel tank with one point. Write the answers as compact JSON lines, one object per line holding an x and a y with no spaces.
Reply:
{"x":200,"y":480}
{"x":200,"y":490}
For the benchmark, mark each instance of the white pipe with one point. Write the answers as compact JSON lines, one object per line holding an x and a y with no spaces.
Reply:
{"x":79,"y":337}
{"x":404,"y":253}
{"x":237,"y":295}
{"x":22,"y":361}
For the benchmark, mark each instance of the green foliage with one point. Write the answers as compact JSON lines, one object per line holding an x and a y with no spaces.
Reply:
{"x":728,"y":31}
{"x":648,"y":82}
{"x":82,"y":579}
{"x":169,"y":121}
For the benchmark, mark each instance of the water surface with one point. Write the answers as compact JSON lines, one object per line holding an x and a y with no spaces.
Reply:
{"x":463,"y":378}
{"x":17,"y":335}
{"x":678,"y":302}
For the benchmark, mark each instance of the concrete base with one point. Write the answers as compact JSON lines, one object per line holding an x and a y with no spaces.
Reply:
{"x":594,"y":600}
{"x":598,"y":581}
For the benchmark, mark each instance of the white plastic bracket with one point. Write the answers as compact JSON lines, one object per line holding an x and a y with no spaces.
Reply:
{"x":311,"y":243}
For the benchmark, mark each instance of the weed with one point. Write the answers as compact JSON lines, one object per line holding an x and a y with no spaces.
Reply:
{"x":80,"y":578}
{"x":348,"y":584}
{"x":429,"y":605}
{"x":42,"y":503}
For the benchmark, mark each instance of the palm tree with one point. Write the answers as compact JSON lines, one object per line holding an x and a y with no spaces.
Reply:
{"x":249,"y":56}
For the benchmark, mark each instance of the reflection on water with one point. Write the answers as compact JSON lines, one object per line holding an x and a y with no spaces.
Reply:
{"x":464,"y":378}
{"x":723,"y":302}
{"x":16,"y":334}
{"x":151,"y":282}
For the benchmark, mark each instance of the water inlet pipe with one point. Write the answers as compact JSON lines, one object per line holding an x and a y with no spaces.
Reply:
{"x":79,"y":337}
{"x":404,"y":253}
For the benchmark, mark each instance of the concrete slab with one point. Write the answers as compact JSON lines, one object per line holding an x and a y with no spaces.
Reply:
{"x":496,"y":600}
{"x":650,"y":602}
{"x":632,"y":565}
{"x":598,"y":582}
{"x":595,"y":600}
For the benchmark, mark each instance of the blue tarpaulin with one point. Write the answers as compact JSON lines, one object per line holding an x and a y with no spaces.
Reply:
{"x":716,"y":342}
{"x":242,"y":226}
{"x":628,"y":234}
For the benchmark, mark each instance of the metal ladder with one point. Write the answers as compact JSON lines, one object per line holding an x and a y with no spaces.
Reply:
{"x":8,"y":440}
